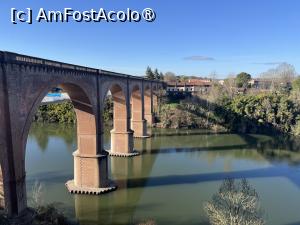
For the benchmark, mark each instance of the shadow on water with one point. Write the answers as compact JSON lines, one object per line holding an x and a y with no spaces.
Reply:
{"x":199,"y":178}
{"x":92,"y":211}
{"x":185,"y":133}
{"x":195,"y":149}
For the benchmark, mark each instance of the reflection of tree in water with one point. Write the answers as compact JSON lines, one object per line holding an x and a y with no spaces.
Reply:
{"x":281,"y":148}
{"x":42,"y":131}
{"x":236,"y":203}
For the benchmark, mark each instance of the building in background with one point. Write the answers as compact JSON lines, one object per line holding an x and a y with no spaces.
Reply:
{"x":193,"y":86}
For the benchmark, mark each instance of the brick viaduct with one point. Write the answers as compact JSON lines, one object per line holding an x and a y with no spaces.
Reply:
{"x":24,"y":82}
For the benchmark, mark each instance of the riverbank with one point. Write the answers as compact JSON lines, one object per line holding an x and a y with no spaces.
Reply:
{"x":260,"y":113}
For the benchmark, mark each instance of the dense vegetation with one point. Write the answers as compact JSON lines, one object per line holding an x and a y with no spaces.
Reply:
{"x":271,"y":112}
{"x":64,"y":113}
{"x":56,"y":113}
{"x":274,"y":112}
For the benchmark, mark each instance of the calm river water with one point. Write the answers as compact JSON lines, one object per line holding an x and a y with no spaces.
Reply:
{"x":175,"y":174}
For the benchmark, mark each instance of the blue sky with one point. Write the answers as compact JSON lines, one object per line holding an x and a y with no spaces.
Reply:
{"x":192,"y":37}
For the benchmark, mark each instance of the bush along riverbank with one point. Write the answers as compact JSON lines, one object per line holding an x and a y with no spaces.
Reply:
{"x":261,"y":113}
{"x":56,"y":113}
{"x":65,"y":113}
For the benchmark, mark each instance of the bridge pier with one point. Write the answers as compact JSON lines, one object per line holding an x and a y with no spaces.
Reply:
{"x":138,"y":122}
{"x":122,"y":143}
{"x":90,"y":165}
{"x":140,"y":128}
{"x":148,"y":104}
{"x":90,"y":175}
{"x":121,"y":135}
{"x":155,"y":103}
{"x":150,"y":119}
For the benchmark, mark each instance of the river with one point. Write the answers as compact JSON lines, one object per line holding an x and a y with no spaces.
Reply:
{"x":177,"y":172}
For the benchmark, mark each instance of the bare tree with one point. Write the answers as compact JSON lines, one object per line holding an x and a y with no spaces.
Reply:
{"x":37,"y":194}
{"x":170,"y":77}
{"x":236,"y":203}
{"x":230,"y":86}
{"x":281,"y":76}
{"x":147,"y":222}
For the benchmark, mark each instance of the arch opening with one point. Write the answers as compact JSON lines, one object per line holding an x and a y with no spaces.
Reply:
{"x":75,"y":108}
{"x":90,"y":169}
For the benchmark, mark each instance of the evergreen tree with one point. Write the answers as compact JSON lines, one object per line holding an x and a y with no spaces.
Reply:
{"x":161,"y":75}
{"x":149,"y":73}
{"x":242,"y":80}
{"x":156,"y":75}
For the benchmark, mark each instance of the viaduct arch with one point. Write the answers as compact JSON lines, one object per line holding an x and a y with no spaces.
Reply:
{"x":25,"y":80}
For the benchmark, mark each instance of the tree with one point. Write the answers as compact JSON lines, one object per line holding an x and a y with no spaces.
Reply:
{"x":161,"y":75}
{"x":182,"y":78}
{"x":149,"y":73}
{"x":296,"y":84}
{"x":236,"y":203}
{"x":170,"y":77}
{"x":229,"y":86}
{"x":156,"y":74}
{"x":295,"y":93}
{"x":286,"y":74}
{"x":242,"y":80}
{"x":281,"y":76}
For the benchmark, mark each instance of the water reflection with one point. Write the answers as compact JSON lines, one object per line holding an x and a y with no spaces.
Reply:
{"x":174,"y":167}
{"x":236,"y":203}
{"x":42,"y":131}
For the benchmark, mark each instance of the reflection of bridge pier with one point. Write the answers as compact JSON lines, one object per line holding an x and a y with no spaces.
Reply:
{"x":117,"y":207}
{"x":143,"y":145}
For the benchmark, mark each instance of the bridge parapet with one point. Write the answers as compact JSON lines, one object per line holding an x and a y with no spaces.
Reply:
{"x":9,"y":57}
{"x":15,"y":58}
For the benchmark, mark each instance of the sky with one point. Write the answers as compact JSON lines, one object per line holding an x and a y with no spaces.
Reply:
{"x":190,"y":37}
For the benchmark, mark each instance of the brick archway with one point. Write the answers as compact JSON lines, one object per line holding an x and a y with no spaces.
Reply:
{"x":24,"y":81}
